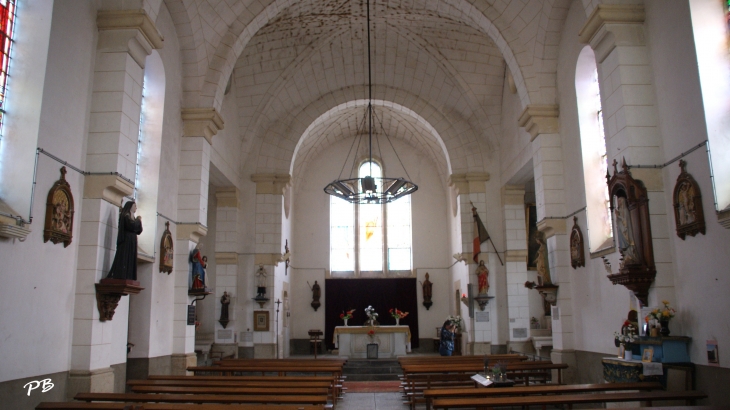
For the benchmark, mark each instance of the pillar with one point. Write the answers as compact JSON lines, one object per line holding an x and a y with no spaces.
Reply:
{"x":269,"y":221}
{"x":226,"y":269}
{"x":471,"y":188}
{"x":199,"y":127}
{"x":541,"y":121}
{"x":126,"y":38}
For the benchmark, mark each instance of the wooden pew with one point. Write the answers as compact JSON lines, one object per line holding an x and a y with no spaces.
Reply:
{"x":204,"y":398}
{"x":335,"y":384}
{"x":282,"y":390}
{"x":432,"y":394}
{"x":281,"y":369}
{"x":170,"y":406}
{"x":231,"y":383}
{"x":567,"y":399}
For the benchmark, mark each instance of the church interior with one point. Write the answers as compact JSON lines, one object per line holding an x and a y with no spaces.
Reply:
{"x":183,"y":181}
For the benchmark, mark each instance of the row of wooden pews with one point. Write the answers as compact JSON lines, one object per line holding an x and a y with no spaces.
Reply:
{"x":231,"y":384}
{"x":445,"y":383}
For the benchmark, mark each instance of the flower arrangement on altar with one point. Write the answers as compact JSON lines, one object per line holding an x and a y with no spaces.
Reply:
{"x":663,"y":314}
{"x":397,"y":314}
{"x":371,"y":332}
{"x":348,"y":315}
{"x":371,"y":314}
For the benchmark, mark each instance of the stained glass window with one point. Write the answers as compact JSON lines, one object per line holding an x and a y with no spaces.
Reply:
{"x":359,"y":233}
{"x":7,"y":25}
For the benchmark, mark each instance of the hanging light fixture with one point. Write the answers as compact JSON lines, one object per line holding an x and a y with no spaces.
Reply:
{"x":369,"y":189}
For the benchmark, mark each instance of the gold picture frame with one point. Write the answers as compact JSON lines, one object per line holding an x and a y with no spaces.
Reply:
{"x":260,"y":320}
{"x":648,"y":354}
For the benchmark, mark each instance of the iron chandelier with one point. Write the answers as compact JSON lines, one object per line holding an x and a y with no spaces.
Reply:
{"x":369,"y":189}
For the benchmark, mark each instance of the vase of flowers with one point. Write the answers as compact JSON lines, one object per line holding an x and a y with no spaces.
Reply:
{"x":663,"y":315}
{"x":345,"y":316}
{"x":397,"y":315}
{"x":621,"y":340}
{"x":372,"y":316}
{"x":458,"y":323}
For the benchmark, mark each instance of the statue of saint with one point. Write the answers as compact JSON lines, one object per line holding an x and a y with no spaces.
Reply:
{"x":261,"y":282}
{"x":225,"y":301}
{"x":483,"y":275}
{"x":427,"y":289}
{"x":686,"y":204}
{"x":626,"y":244}
{"x":125,"y":260}
{"x":541,"y":261}
{"x":199,"y":263}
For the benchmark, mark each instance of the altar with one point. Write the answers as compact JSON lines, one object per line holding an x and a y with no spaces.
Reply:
{"x":352,"y":341}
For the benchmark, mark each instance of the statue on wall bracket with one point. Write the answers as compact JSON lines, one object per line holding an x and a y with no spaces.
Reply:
{"x":688,"y":214}
{"x":59,"y":212}
{"x":632,"y":230}
{"x":577,"y":252}
{"x":167,"y":250}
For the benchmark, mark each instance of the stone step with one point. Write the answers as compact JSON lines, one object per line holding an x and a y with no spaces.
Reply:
{"x":371,"y":370}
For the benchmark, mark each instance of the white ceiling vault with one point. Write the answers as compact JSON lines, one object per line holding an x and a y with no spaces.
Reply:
{"x":299,"y":70}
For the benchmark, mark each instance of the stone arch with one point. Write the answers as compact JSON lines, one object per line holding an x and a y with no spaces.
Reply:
{"x":465,"y":152}
{"x":228,"y":51}
{"x":444,"y":169}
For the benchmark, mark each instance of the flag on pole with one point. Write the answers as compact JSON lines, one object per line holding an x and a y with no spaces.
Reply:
{"x":480,"y":234}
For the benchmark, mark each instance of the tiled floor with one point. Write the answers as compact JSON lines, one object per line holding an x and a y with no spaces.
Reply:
{"x":370,"y":401}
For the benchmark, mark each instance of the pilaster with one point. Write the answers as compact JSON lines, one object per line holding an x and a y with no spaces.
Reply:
{"x":226,"y":268}
{"x":518,"y":298}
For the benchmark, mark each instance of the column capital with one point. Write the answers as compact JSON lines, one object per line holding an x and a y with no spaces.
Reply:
{"x":111,"y":188}
{"x":470,"y":182}
{"x":226,"y":258}
{"x":540,"y":119}
{"x":201,"y":122}
{"x":513,"y":195}
{"x":515,"y":255}
{"x":271,"y":183}
{"x":227,"y":197}
{"x":131,"y":31}
{"x":613,"y":24}
{"x":552,"y":227}
{"x":191,"y":231}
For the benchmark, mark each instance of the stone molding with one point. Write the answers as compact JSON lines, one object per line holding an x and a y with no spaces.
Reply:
{"x":201,"y":122}
{"x":268,"y":259}
{"x":513,"y":195}
{"x":191,"y":231}
{"x":515,"y":255}
{"x":540,"y":119}
{"x":128,"y":30}
{"x":274,"y":184}
{"x":552,"y":227}
{"x":226,"y":258}
{"x":613,"y":24}
{"x":227,"y":197}
{"x":11,"y":227}
{"x":111,"y":188}
{"x":469,"y":183}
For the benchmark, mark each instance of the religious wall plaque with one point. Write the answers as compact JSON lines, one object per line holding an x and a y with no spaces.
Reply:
{"x":191,"y":315}
{"x":577,"y":253}
{"x":59,"y":212}
{"x":166,"y":250}
{"x":688,"y":214}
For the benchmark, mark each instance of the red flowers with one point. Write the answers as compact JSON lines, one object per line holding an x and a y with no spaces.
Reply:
{"x":371,"y":332}
{"x":348,"y":315}
{"x":397,"y":314}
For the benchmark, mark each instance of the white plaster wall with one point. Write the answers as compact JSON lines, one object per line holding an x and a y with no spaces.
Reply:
{"x":599,"y":308}
{"x":310,"y":227}
{"x":701,"y":262}
{"x":226,"y":153}
{"x":39,"y":298}
{"x":515,"y":149}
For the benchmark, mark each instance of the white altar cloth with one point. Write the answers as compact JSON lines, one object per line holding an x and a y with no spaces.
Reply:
{"x":352,"y":341}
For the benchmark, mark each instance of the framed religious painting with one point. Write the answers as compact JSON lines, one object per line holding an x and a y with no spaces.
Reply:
{"x":687,"y":200}
{"x":59,"y":212}
{"x":166,"y":250}
{"x":260,"y":320}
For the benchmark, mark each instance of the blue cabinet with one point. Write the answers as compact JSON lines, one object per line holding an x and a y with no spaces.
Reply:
{"x":670,"y":349}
